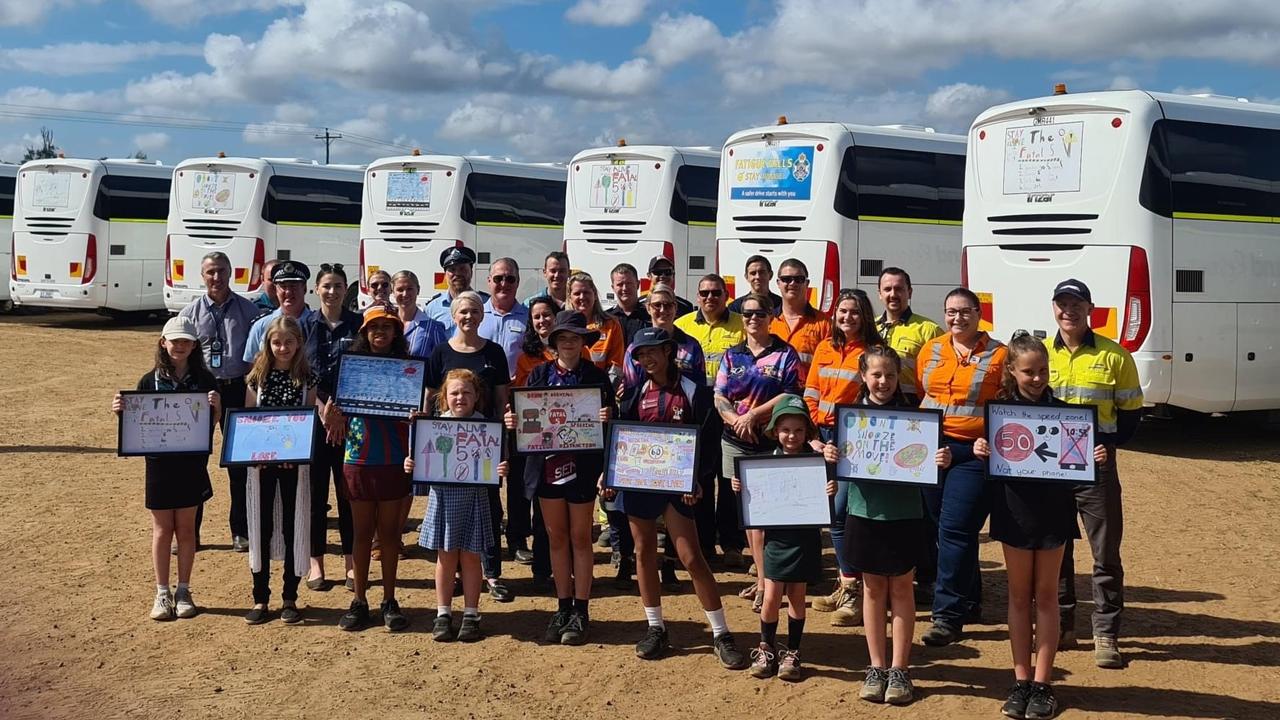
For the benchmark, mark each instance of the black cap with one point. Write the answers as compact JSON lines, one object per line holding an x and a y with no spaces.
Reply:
{"x":651,"y":337}
{"x":290,"y":271}
{"x":660,"y":260}
{"x":1074,"y":288}
{"x":574,"y":322}
{"x":455,"y":255}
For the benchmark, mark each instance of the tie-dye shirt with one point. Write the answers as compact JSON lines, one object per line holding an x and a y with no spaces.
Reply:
{"x":749,"y":381}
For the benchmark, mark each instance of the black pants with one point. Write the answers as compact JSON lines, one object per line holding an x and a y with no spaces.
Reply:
{"x":232,"y":393}
{"x":704,"y":516}
{"x":287,"y":480}
{"x":1102,"y":512}
{"x":620,"y":539}
{"x":329,"y":463}
{"x":491,"y":561}
{"x":541,"y":545}
{"x":727,"y":523}
{"x":519,"y":507}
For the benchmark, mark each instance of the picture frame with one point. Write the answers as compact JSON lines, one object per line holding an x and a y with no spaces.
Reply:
{"x":652,"y":457}
{"x":558,"y":419}
{"x":1042,"y":443}
{"x":270,"y":436}
{"x":370,"y":384}
{"x":164,"y":423}
{"x":783,"y":491}
{"x":892,"y":445}
{"x":456,"y":451}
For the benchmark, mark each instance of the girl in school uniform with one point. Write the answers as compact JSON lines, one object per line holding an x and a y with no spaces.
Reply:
{"x":176,"y":484}
{"x":792,"y":556}
{"x":280,"y":377}
{"x":565,"y":483}
{"x":884,"y":536}
{"x":458,"y":524}
{"x":1033,"y":521}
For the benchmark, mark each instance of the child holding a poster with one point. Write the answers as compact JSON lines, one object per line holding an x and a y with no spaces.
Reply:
{"x":176,"y":484}
{"x":458,"y":524}
{"x":1033,"y":521}
{"x":565,"y":483}
{"x":792,"y":556}
{"x":883,"y":539}
{"x":280,"y":377}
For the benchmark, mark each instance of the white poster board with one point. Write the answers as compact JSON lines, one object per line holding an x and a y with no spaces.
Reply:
{"x":165,"y":423}
{"x":409,"y":189}
{"x":51,"y":190}
{"x":783,"y":491}
{"x":213,"y":191}
{"x":615,"y":186}
{"x":888,"y":444}
{"x":1042,"y":442}
{"x":456,"y":452}
{"x":1043,"y":158}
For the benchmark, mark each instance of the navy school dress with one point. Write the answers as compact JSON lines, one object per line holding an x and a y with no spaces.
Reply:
{"x":567,"y":476}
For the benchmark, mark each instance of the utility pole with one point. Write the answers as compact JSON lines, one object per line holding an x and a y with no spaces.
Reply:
{"x":328,"y":139}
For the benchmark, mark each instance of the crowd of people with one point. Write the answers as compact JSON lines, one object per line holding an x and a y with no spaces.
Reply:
{"x":762,"y":373}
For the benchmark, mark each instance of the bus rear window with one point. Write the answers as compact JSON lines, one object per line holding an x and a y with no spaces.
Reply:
{"x":509,"y":200}
{"x":7,"y":185}
{"x":695,"y":196}
{"x":123,"y":197}
{"x":311,"y":200}
{"x":891,"y":183}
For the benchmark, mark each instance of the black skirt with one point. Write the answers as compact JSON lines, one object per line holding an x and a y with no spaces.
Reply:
{"x":884,"y":547}
{"x":1034,"y":515}
{"x":793,"y":556}
{"x":177,"y":481}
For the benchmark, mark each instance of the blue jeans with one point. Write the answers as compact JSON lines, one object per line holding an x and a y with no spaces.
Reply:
{"x":841,"y":512}
{"x":960,"y":508}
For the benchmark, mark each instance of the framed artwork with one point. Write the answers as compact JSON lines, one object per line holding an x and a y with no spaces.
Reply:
{"x":165,"y":423}
{"x":1051,"y":443}
{"x":269,"y":436}
{"x":379,"y":385}
{"x":783,"y":491}
{"x":888,"y":444}
{"x":651,"y":457}
{"x":449,"y":451}
{"x":557,"y":419}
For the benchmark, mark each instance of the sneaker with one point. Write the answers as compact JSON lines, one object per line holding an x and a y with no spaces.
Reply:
{"x":873,"y":687}
{"x":900,"y":690}
{"x":555,"y":628}
{"x":257,"y":615}
{"x":239,"y":544}
{"x":622,"y":580}
{"x":615,"y":559}
{"x":163,"y":609}
{"x":828,"y":603}
{"x":524,"y":557}
{"x":940,"y":635}
{"x":392,"y":618}
{"x":733,"y":559}
{"x":789,"y":665}
{"x":1105,"y":652}
{"x":442,"y":629}
{"x":1042,"y":705}
{"x":654,"y":644}
{"x":849,"y":612}
{"x":763,"y":663}
{"x":1067,"y":639}
{"x":356,"y":617}
{"x":1016,"y":706}
{"x":499,"y":591}
{"x":290,"y":615}
{"x":186,"y":607}
{"x":469,"y":631}
{"x":668,"y":575}
{"x":606,"y":534}
{"x":575,"y":630}
{"x":726,"y":650}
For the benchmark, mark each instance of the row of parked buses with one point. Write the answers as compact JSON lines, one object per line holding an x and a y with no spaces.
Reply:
{"x":1168,"y":206}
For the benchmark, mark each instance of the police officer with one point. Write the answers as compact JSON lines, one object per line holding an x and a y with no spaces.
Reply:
{"x":290,"y":278}
{"x":459,"y":265}
{"x":1088,"y":369}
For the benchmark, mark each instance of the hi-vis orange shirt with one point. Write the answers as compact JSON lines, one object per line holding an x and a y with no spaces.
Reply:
{"x":811,"y":330}
{"x":960,"y":386}
{"x":833,"y":380}
{"x":607,"y":352}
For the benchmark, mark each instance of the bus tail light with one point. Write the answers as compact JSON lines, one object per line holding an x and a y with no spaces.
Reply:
{"x":90,"y":268}
{"x":259,"y":259}
{"x":830,"y":278}
{"x":364,"y":276}
{"x":13,"y":258}
{"x":168,"y":260}
{"x":1137,"y":302}
{"x":964,"y":267}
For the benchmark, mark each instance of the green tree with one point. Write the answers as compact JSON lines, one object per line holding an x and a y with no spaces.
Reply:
{"x":46,"y":150}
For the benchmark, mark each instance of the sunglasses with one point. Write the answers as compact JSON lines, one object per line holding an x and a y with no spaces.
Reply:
{"x":326,"y":267}
{"x":661,"y":306}
{"x":789,"y":279}
{"x":508,"y":279}
{"x":749,"y":314}
{"x":710,"y":293}
{"x":662,"y":273}
{"x":379,"y":286}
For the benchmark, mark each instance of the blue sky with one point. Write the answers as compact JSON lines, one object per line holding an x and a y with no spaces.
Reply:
{"x":541,"y":80}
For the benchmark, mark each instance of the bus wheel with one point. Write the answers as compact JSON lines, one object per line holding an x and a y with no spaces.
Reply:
{"x":6,"y":306}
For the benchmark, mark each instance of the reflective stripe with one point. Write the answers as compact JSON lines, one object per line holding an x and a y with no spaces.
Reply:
{"x":826,"y":407}
{"x":1128,"y":395}
{"x":1090,"y":393}
{"x":980,"y":372}
{"x":813,"y":393}
{"x":1107,"y":427}
{"x":929,"y":403}
{"x":805,"y":358}
{"x":598,"y":356}
{"x":934,"y":358}
{"x":833,"y":372}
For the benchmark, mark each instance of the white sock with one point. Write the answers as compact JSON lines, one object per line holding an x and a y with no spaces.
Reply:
{"x":162,"y":589}
{"x":444,"y":611}
{"x":470,"y":612}
{"x":718,"y":623}
{"x":654,"y":616}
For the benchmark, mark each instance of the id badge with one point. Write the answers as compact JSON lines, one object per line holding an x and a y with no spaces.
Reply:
{"x":559,"y":470}
{"x":215,"y":354}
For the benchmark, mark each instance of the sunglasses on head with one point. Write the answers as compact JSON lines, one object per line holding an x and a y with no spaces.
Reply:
{"x":326,"y":267}
{"x":789,"y":279}
{"x":710,"y":293}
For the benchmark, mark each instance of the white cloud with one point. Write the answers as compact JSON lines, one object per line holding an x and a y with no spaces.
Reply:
{"x":952,"y":108}
{"x":673,"y":40}
{"x":35,"y":99}
{"x":186,"y":12}
{"x":1123,"y":82}
{"x":606,"y":13}
{"x":29,"y":12}
{"x":151,"y":142}
{"x":593,"y":79}
{"x":84,"y":58}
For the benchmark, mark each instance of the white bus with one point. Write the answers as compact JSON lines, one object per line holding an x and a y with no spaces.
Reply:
{"x":415,"y":206}
{"x":89,"y":234}
{"x":8,"y":183}
{"x":1167,"y":206}
{"x":255,"y":209}
{"x":848,"y":201}
{"x":632,"y":203}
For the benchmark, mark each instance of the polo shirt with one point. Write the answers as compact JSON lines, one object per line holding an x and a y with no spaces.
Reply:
{"x":906,"y":337}
{"x":632,"y":322}
{"x":423,"y":334}
{"x":258,"y":333}
{"x":833,"y":380}
{"x":812,"y":329}
{"x":506,"y":329}
{"x":1100,"y":373}
{"x":960,"y":387}
{"x":437,"y":308}
{"x":748,"y":380}
{"x":228,"y":324}
{"x":714,"y":338}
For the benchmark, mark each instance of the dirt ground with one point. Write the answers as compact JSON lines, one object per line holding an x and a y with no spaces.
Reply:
{"x":1201,"y":633}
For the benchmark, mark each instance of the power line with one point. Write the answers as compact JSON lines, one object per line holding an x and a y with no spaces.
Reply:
{"x":328,"y":140}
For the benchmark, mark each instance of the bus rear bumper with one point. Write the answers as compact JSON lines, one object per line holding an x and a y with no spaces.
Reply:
{"x":177,"y":298}
{"x":81,"y":297}
{"x":1155,"y":370}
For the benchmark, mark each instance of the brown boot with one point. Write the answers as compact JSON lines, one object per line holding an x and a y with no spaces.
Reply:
{"x":849,"y":612}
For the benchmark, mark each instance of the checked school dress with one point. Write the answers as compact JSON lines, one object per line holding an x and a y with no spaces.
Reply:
{"x":458,"y":518}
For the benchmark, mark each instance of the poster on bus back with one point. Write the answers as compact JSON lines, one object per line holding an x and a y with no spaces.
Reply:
{"x":771,"y":172}
{"x":212,"y":191}
{"x":1043,"y":158}
{"x":409,"y":189}
{"x":615,"y":186}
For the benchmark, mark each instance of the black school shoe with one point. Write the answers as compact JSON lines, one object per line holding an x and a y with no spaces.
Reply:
{"x":575,"y":631}
{"x":290,"y":614}
{"x":499,"y":591}
{"x":555,"y":628}
{"x":355,"y":618}
{"x":442,"y":629}
{"x":1016,"y":706}
{"x":470,"y":629}
{"x":654,"y":644}
{"x":726,"y":650}
{"x":257,"y":615}
{"x":392,"y":618}
{"x":940,"y":635}
{"x":1042,"y":705}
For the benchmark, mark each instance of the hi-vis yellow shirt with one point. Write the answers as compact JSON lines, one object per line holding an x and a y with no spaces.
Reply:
{"x":1099,"y":373}
{"x":906,"y":337}
{"x":715,"y":338}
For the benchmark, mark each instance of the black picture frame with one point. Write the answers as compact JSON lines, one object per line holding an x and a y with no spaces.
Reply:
{"x":518,"y":392}
{"x":178,"y":396}
{"x":348,"y":361}
{"x":936,"y":416}
{"x":231,"y":437}
{"x":743,"y":464}
{"x":989,"y":429}
{"x":497,"y":427}
{"x":670,"y":431}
